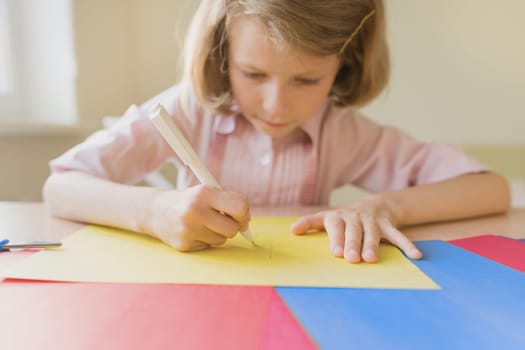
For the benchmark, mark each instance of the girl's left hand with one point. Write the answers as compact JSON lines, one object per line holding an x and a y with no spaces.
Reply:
{"x":355,"y":231}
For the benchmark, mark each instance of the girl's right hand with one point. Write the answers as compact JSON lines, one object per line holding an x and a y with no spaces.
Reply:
{"x":197,"y":217}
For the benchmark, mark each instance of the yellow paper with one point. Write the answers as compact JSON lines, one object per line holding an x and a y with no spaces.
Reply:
{"x":99,"y":254}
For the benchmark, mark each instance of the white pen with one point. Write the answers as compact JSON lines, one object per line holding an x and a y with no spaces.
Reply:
{"x":182,"y":147}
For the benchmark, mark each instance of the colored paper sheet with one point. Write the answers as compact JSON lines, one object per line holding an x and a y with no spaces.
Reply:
{"x":132,"y":316}
{"x":506,"y":251}
{"x":96,"y":254}
{"x":9,"y":258}
{"x":480,"y":306}
{"x":280,"y":330}
{"x":283,"y":332}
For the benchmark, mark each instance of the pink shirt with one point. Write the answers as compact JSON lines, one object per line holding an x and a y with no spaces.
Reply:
{"x":337,"y":146}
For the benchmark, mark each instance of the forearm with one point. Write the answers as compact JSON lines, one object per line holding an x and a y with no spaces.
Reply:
{"x":461,"y":197}
{"x":81,"y":197}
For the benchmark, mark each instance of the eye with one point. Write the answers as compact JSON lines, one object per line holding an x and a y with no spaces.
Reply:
{"x":253,"y":75}
{"x":306,"y":81}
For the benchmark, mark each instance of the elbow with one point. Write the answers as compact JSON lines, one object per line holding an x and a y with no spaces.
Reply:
{"x":46,"y":189}
{"x":502,"y":197}
{"x":49,"y":194}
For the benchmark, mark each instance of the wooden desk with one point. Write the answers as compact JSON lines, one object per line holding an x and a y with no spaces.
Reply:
{"x":29,"y":220}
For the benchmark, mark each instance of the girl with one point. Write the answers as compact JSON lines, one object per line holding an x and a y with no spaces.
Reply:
{"x":269,"y":100}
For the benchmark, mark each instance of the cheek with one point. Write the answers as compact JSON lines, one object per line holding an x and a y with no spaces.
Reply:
{"x":243,"y":92}
{"x":313,"y":98}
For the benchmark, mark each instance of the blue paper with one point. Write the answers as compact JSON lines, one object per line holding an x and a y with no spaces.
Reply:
{"x":481,"y":306}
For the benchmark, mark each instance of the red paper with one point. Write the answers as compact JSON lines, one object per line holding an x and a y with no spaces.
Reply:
{"x":283,"y":331}
{"x":135,"y":316}
{"x":506,"y":251}
{"x":132,"y":316}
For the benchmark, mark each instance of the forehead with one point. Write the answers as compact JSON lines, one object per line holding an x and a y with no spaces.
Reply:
{"x":251,"y":43}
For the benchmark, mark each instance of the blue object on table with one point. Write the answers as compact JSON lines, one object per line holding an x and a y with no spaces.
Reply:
{"x":3,"y":243}
{"x":480,"y":306}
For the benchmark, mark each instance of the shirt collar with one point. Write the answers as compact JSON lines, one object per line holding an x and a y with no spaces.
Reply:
{"x":225,"y":124}
{"x":312,"y":126}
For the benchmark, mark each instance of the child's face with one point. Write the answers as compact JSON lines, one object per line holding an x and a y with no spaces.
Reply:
{"x":276,"y":88}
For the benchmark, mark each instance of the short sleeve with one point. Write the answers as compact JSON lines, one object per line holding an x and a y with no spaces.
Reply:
{"x":386,"y":158}
{"x":129,"y":149}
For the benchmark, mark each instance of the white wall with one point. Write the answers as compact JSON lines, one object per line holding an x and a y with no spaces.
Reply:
{"x":127,"y":51}
{"x":42,"y":74}
{"x":458,"y":70}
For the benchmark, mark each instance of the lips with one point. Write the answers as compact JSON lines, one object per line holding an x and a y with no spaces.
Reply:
{"x":273,"y":124}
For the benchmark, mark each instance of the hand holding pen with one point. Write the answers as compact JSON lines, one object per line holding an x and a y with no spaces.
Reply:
{"x":197,"y":217}
{"x":202,"y":215}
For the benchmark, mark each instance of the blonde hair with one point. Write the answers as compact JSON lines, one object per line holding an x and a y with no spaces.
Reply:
{"x":354,"y":29}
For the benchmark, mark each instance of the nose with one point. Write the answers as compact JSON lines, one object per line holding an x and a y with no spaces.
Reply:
{"x":275,"y":98}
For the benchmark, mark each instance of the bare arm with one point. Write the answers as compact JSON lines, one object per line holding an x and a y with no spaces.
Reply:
{"x":457,"y":198}
{"x":82,"y":197}
{"x":187,"y":219}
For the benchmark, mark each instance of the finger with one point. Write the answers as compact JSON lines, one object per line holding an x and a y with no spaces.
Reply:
{"x":198,"y":246}
{"x":335,"y":228}
{"x":353,"y":238}
{"x":210,"y":237}
{"x":371,"y":239}
{"x":307,"y":223}
{"x":221,"y":224}
{"x":187,"y":245}
{"x":245,"y":224}
{"x":396,"y":237}
{"x":233,"y":205}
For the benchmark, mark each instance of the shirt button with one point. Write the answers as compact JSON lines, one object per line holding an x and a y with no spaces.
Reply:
{"x":266,"y":159}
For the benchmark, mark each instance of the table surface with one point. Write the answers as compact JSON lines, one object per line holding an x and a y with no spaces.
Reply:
{"x":30,"y":221}
{"x":491,"y":316}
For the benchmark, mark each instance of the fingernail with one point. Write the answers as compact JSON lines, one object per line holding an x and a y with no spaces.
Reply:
{"x":416,"y":254}
{"x":369,"y":255}
{"x":338,"y":251}
{"x":353,"y":256}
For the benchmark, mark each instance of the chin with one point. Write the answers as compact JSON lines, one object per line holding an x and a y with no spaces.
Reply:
{"x":277,"y":132}
{"x":278,"y":135}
